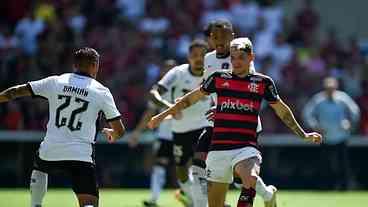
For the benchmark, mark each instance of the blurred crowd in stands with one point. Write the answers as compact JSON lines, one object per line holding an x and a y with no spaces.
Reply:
{"x":37,"y":39}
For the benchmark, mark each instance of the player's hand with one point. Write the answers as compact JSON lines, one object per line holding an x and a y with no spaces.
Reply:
{"x":133,"y":140}
{"x":108,"y":134}
{"x":154,"y":122}
{"x":210,"y":114}
{"x":313,"y":137}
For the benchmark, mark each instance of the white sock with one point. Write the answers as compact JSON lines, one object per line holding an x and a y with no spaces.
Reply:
{"x":264,"y":191}
{"x":158,"y":179}
{"x":199,"y":187}
{"x":186,"y":187}
{"x":38,"y":187}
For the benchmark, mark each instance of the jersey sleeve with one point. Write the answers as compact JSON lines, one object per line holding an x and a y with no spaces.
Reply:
{"x":109,"y":108}
{"x":169,"y":80}
{"x":271,"y":94}
{"x":42,"y":88}
{"x":209,"y":85}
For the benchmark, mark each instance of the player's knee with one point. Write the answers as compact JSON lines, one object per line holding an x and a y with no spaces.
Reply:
{"x":249,"y":179}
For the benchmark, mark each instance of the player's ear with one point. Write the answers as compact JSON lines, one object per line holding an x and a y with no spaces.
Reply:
{"x":251,"y":56}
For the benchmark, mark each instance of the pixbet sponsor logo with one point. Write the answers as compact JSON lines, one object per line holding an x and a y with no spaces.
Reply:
{"x":236,"y":105}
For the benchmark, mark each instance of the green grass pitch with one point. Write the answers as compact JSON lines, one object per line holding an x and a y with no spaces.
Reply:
{"x":133,"y":198}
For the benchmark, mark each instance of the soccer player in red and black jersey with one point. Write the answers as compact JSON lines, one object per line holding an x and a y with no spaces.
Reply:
{"x":234,"y":145}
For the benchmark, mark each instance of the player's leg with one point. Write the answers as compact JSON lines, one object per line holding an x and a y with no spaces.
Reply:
{"x":183,"y":153}
{"x":248,"y":170}
{"x":158,"y":175}
{"x":219,"y":174}
{"x":38,"y":187}
{"x":38,"y":183}
{"x":198,"y":169}
{"x":217,"y":193}
{"x":84,"y":182}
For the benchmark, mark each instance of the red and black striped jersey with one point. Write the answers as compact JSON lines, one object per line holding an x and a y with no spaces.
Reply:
{"x":238,"y":106}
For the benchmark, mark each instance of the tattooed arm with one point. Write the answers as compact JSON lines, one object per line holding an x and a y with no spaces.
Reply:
{"x":286,"y":115}
{"x":183,"y":103}
{"x":15,"y":92}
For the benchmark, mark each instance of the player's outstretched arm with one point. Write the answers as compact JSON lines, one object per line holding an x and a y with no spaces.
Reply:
{"x":286,"y":115}
{"x":15,"y":92}
{"x":116,"y":131}
{"x":182,"y":103}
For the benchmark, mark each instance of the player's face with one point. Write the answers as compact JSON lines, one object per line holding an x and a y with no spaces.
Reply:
{"x":240,"y":61}
{"x":196,"y":58}
{"x":220,"y":38}
{"x":95,"y":67}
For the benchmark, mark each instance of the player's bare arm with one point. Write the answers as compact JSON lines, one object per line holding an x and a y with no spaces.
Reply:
{"x":116,"y":131}
{"x":156,"y":96}
{"x":182,"y":103}
{"x":284,"y":112}
{"x":14,"y":92}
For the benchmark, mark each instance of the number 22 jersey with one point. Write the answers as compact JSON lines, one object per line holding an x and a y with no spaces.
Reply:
{"x":75,"y":102}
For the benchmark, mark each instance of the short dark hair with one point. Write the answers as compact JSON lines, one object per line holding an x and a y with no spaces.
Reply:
{"x":198,"y":43}
{"x":85,"y":57}
{"x":207,"y":29}
{"x":222,"y":23}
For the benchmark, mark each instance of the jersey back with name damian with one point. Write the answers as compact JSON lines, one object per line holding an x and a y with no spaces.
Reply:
{"x":75,"y":102}
{"x":238,"y":105}
{"x":179,"y":81}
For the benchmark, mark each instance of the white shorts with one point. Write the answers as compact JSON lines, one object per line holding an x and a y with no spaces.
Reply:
{"x":220,"y":164}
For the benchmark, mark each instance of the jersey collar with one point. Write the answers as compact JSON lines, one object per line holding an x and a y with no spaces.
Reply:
{"x":83,"y":74}
{"x":191,"y":72}
{"x":219,"y":56}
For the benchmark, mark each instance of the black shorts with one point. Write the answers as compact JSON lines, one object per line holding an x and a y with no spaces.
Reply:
{"x":164,"y":148}
{"x":82,"y":174}
{"x":204,"y":140}
{"x":185,"y":145}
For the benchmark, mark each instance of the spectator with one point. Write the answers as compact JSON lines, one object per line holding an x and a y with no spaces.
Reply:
{"x":307,"y":21}
{"x":45,"y":11}
{"x":307,"y":18}
{"x":263,"y":39}
{"x":273,"y":15}
{"x":216,"y":11}
{"x":131,"y":9}
{"x":245,"y":15}
{"x":27,"y":30}
{"x":282,"y":51}
{"x":7,"y":40}
{"x":335,"y":115}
